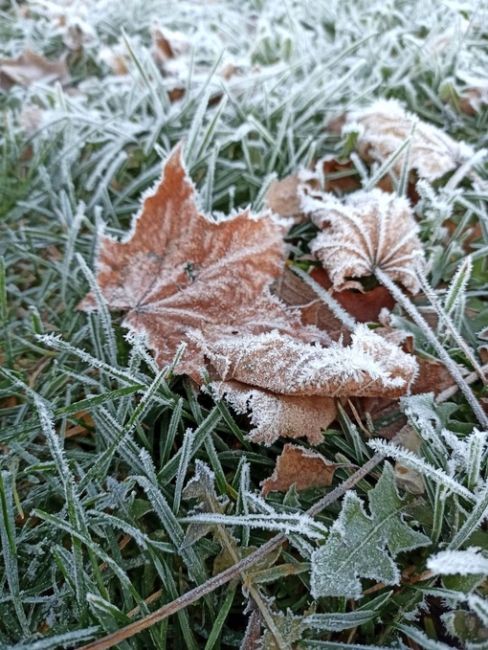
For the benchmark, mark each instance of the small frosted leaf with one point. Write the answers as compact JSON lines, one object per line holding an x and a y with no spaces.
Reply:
{"x":283,"y":197}
{"x":300,"y":467}
{"x":367,"y":231}
{"x":362,"y":545}
{"x":386,"y":125}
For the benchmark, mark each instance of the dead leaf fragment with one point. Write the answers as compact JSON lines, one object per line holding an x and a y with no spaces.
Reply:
{"x":365,"y":306}
{"x":283,"y":197}
{"x":115,"y":58}
{"x":178,"y":270}
{"x":313,"y":311}
{"x":29,"y":68}
{"x":366,"y":231}
{"x":273,"y":415}
{"x":300,"y":467}
{"x":167,"y":45}
{"x":385,"y":125}
{"x":405,"y":477}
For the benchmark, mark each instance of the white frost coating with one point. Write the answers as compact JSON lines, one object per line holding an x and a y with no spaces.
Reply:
{"x":282,"y":522}
{"x":366,"y":231}
{"x":420,"y":465}
{"x":387,"y":124}
{"x":468,"y":562}
{"x":273,"y":415}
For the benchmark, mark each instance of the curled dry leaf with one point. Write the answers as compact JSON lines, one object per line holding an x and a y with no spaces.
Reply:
{"x":30,"y":67}
{"x":288,"y":385}
{"x":385,"y":125}
{"x":300,"y":467}
{"x":177,"y":270}
{"x":277,"y":362}
{"x":369,"y":230}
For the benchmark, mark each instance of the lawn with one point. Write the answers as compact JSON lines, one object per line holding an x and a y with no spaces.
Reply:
{"x":244,"y":324}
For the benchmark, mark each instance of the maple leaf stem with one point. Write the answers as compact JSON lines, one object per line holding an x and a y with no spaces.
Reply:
{"x":232,"y":572}
{"x":420,"y":321}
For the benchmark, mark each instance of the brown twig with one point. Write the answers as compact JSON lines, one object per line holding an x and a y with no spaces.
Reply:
{"x":226,"y":576}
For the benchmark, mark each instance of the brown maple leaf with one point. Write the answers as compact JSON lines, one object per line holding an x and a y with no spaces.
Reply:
{"x":178,"y":270}
{"x":300,"y":467}
{"x":28,"y":68}
{"x":368,"y":230}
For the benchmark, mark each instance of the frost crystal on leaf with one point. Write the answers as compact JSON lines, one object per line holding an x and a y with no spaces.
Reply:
{"x":178,"y":270}
{"x":368,"y":231}
{"x":386,"y":125}
{"x":364,"y":546}
{"x":274,"y":415}
{"x":468,"y":562}
{"x":288,"y":384}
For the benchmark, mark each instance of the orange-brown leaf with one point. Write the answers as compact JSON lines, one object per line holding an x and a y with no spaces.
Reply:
{"x":178,"y":270}
{"x":313,"y":311}
{"x":300,"y":467}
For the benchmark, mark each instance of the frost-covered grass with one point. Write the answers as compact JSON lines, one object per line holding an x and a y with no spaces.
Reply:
{"x":98,"y":445}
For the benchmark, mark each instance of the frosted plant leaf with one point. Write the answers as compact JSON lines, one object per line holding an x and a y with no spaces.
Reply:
{"x":367,"y":231}
{"x":369,"y":366}
{"x":468,"y":562}
{"x":178,"y":270}
{"x":362,"y":545}
{"x":274,"y":415}
{"x":29,"y":68}
{"x":386,"y":125}
{"x":300,"y":467}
